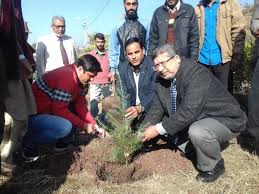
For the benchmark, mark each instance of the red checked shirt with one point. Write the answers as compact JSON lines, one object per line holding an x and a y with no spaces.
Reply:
{"x":59,"y":88}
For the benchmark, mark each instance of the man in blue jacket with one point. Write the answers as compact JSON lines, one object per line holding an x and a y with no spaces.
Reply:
{"x":138,"y":78}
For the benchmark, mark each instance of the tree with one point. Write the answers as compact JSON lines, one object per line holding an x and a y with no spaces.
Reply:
{"x":124,"y":141}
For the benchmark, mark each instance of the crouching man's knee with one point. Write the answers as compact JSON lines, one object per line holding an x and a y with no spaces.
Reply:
{"x":65,"y":129}
{"x":195,"y":134}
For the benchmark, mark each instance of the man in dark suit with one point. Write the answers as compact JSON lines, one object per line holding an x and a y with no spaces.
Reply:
{"x":138,"y":78}
{"x":189,"y":99}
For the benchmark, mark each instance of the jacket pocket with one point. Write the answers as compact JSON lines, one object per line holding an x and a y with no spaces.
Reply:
{"x":185,"y":22}
{"x":226,"y":14}
{"x":225,"y":21}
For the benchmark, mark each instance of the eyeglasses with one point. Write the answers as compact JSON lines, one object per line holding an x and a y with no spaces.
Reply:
{"x":156,"y":68}
{"x":64,"y":26}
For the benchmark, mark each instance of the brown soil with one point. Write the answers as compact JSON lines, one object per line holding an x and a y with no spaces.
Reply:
{"x":157,"y":159}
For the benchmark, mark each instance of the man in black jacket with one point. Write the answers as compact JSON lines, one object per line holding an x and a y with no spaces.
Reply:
{"x":131,"y":27}
{"x":189,"y":99}
{"x":175,"y":23}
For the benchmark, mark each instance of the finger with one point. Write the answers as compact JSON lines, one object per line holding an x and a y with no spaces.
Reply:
{"x":91,"y":130}
{"x":103,"y":134}
{"x":144,"y":138}
{"x":129,"y":114}
{"x":129,"y":109}
{"x":133,"y":116}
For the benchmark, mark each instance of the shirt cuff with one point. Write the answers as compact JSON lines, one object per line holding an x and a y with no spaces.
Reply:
{"x":160,"y":129}
{"x":21,"y":57}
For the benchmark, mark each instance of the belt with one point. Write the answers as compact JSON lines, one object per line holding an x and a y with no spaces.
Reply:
{"x":212,"y":66}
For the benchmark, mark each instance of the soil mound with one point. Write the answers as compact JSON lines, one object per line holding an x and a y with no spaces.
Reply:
{"x":156,"y":159}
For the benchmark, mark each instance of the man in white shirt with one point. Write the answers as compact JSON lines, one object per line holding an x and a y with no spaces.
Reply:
{"x":56,"y":49}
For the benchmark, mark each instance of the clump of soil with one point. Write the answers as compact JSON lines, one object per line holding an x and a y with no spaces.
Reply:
{"x":157,"y":159}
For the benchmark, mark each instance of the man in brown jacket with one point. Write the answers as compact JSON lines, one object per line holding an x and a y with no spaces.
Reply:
{"x":222,"y":36}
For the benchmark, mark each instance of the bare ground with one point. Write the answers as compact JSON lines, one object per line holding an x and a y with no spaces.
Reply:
{"x":158,"y":171}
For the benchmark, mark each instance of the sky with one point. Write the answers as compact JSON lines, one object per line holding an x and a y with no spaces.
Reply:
{"x":99,"y":15}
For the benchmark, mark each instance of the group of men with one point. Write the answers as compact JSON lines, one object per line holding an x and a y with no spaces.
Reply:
{"x":175,"y":75}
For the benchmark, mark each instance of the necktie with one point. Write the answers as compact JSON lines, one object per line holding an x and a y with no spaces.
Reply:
{"x":63,"y":52}
{"x":173,"y":94}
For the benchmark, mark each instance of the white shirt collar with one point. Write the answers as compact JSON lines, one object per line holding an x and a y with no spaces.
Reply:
{"x":55,"y":36}
{"x":176,"y":7}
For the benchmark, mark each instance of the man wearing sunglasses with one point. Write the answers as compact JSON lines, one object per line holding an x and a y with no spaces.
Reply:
{"x":191,"y":101}
{"x":56,"y":49}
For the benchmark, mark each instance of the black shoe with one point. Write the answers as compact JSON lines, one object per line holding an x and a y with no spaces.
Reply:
{"x":62,"y":147}
{"x":246,"y":139}
{"x":189,"y":151}
{"x":214,"y":174}
{"x":30,"y":155}
{"x":188,"y":155}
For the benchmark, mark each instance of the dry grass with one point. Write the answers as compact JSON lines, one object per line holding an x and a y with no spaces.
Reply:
{"x":242,"y":176}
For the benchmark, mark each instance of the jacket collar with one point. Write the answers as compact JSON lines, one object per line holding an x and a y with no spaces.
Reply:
{"x":97,"y":52}
{"x":54,"y":35}
{"x":176,"y":8}
{"x":139,"y":68}
{"x":180,"y":10}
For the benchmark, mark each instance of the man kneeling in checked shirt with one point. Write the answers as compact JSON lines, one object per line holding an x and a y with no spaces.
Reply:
{"x":57,"y":93}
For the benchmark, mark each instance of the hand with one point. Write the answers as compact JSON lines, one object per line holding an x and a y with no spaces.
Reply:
{"x":132,"y":112}
{"x":256,"y":34}
{"x":149,"y":133}
{"x":26,"y":69}
{"x":89,"y":128}
{"x":111,"y":77}
{"x":101,"y":132}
